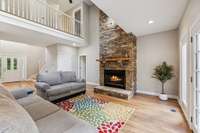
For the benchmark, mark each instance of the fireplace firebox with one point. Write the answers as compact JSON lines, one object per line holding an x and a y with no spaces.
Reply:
{"x":115,"y":78}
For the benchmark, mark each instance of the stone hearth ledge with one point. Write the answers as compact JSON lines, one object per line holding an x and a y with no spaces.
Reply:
{"x":116,"y":92}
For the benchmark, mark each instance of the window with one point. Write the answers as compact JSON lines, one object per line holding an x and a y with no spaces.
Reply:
{"x":8,"y":63}
{"x":15,"y":64}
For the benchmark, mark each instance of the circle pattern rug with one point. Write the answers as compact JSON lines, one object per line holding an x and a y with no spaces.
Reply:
{"x":107,"y":117}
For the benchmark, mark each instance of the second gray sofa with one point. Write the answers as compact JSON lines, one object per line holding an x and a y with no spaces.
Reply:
{"x":24,"y":113}
{"x":55,"y":85}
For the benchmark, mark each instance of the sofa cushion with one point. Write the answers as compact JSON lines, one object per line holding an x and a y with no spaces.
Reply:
{"x":77,"y":85}
{"x":6,"y":92}
{"x":52,"y":78}
{"x":13,"y":118}
{"x":28,"y":100}
{"x":59,"y":89}
{"x":68,"y":76}
{"x":41,"y":109}
{"x":63,"y":122}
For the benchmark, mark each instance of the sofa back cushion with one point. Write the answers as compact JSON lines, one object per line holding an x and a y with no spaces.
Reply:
{"x":68,"y":76}
{"x":52,"y":78}
{"x":13,"y":118}
{"x":5,"y":92}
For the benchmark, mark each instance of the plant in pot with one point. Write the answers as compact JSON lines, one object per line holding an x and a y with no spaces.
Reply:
{"x":163,"y":73}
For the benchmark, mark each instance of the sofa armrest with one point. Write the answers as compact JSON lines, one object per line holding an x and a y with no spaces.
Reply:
{"x":42,"y":86}
{"x":21,"y":92}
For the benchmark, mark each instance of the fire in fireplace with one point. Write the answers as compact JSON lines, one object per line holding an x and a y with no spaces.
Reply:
{"x":115,"y":78}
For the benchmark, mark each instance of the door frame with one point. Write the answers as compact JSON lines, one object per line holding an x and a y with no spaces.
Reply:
{"x":24,"y":66}
{"x":73,"y":16}
{"x":79,"y":65}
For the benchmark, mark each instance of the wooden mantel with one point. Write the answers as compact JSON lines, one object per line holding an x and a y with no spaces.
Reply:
{"x":114,"y":59}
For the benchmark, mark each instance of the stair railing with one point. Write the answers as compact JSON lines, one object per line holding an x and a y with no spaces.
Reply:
{"x":41,"y":12}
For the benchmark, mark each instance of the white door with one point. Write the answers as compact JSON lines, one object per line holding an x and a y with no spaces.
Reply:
{"x":82,"y":67}
{"x":196,"y":83}
{"x":13,"y":68}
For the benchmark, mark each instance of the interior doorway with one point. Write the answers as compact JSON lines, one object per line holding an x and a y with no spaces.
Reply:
{"x":82,"y":67}
{"x":77,"y":23}
{"x":12,"y":68}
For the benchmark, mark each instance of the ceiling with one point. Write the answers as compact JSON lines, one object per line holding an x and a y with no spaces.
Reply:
{"x":133,"y":15}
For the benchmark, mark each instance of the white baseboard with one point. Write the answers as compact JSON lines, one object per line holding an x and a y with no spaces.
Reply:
{"x":92,"y":83}
{"x":155,"y":94}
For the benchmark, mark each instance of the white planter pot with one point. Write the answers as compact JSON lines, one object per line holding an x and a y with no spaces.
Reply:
{"x":163,"y":97}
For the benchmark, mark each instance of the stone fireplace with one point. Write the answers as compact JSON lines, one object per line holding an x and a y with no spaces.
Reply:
{"x":117,"y":56}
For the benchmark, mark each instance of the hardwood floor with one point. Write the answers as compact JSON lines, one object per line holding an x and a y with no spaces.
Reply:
{"x":151,"y":115}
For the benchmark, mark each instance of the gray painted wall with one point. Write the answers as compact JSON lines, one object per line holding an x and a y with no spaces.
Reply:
{"x":92,"y":50}
{"x":152,"y":50}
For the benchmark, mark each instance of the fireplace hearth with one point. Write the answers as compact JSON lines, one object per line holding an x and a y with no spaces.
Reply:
{"x":115,"y":78}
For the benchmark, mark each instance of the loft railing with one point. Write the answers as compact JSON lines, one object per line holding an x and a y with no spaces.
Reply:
{"x":40,"y":12}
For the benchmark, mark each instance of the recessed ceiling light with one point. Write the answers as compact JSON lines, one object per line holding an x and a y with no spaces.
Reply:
{"x":74,"y":44}
{"x":151,"y":22}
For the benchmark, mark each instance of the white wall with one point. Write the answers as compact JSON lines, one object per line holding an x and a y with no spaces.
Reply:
{"x":34,"y":54}
{"x":62,"y":58}
{"x":51,"y":58}
{"x":152,"y":50}
{"x":92,"y":50}
{"x":191,"y":15}
{"x":67,"y":58}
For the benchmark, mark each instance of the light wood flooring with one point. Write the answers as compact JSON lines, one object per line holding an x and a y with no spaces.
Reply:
{"x":151,"y":115}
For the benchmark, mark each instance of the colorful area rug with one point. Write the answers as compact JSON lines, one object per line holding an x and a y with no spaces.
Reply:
{"x":106,"y":116}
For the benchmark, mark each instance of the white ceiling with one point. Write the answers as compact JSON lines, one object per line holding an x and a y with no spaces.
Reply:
{"x":133,"y":15}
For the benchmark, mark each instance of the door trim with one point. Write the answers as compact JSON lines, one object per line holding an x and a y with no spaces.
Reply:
{"x":79,"y":65}
{"x":73,"y":15}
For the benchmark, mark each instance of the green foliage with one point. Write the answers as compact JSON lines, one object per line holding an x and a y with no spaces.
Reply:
{"x":163,"y":73}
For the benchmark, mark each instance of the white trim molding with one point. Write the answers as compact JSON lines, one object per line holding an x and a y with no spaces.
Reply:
{"x":92,"y":83}
{"x":155,"y":94}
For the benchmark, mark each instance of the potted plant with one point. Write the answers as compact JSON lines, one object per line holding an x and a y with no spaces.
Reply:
{"x":163,"y":73}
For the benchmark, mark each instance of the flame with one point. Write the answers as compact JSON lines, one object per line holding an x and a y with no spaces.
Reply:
{"x":115,"y":78}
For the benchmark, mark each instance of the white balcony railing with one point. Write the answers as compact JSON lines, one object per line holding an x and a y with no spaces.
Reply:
{"x":42,"y":13}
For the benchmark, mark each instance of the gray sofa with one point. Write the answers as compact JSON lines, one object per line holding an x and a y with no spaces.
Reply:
{"x":46,"y":117}
{"x":55,"y":85}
